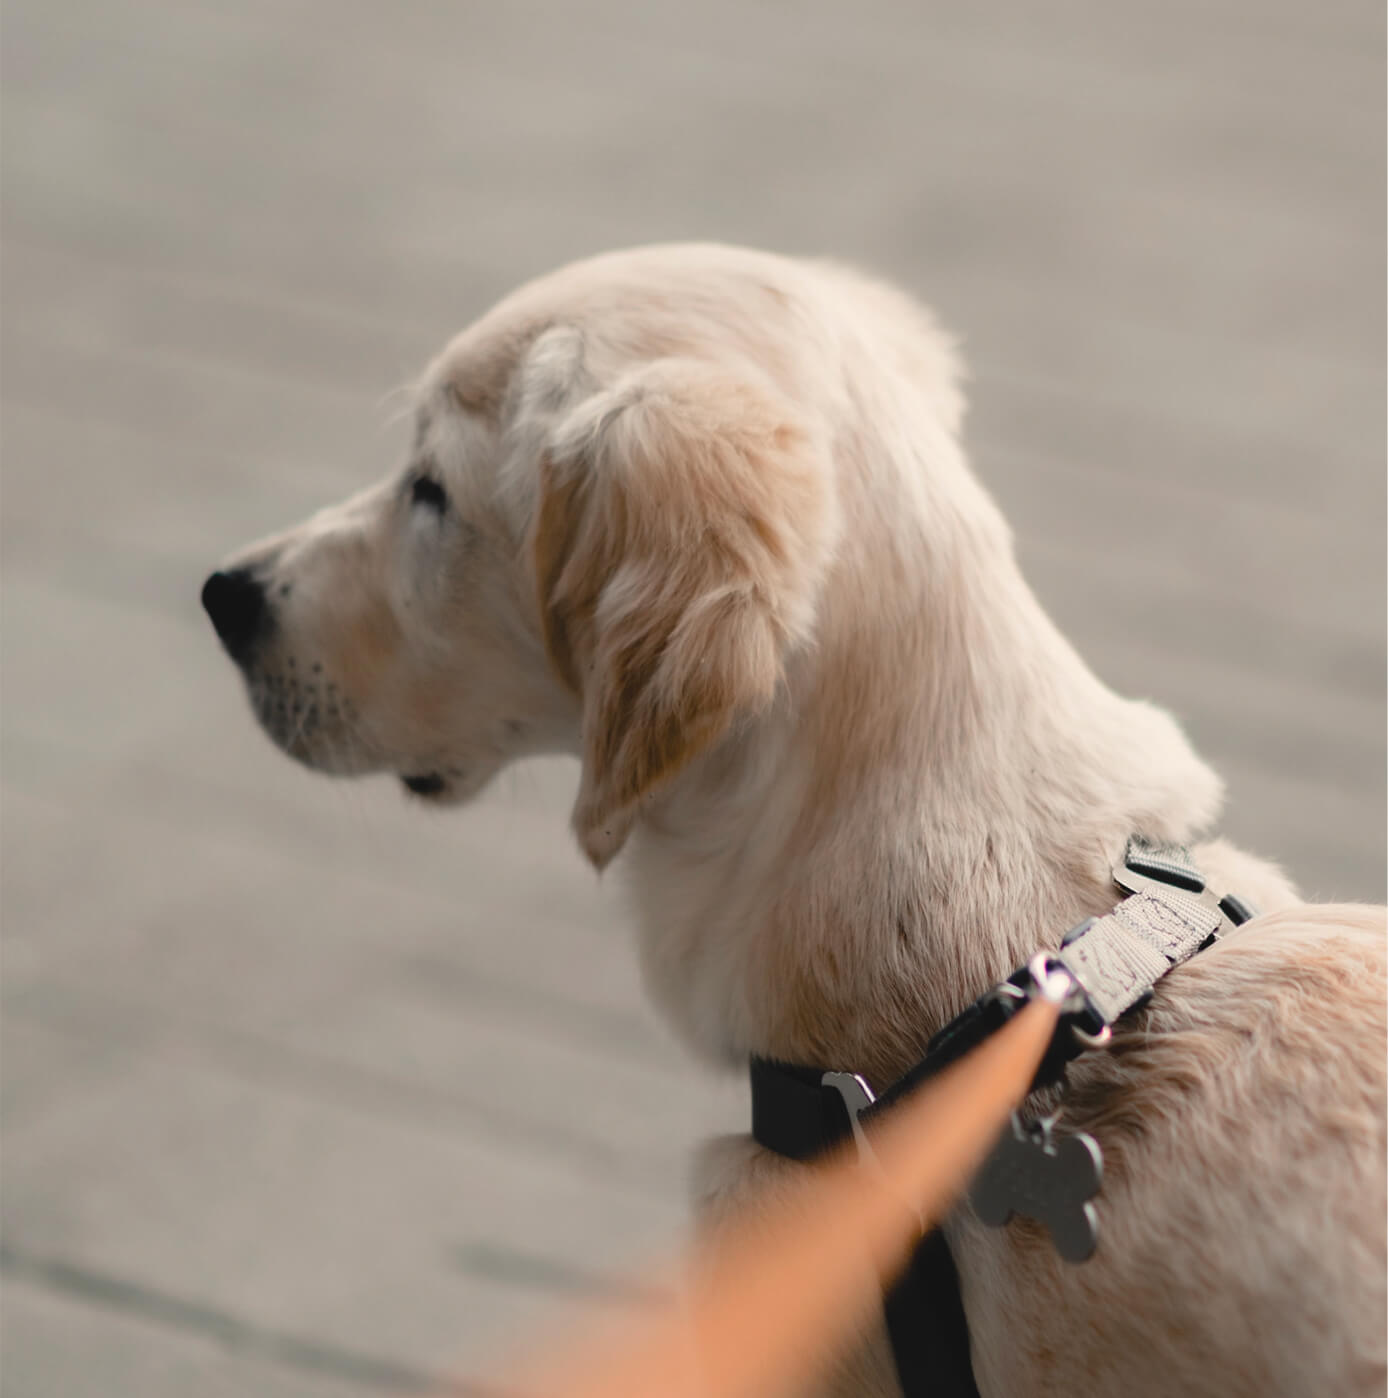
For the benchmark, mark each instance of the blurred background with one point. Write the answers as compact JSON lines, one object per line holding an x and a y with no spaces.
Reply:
{"x":307,"y":1092}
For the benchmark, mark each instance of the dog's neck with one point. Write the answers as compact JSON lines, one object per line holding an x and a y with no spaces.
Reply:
{"x":943,"y":788}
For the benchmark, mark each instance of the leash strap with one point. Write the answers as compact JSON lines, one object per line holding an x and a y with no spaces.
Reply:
{"x":1168,"y":915}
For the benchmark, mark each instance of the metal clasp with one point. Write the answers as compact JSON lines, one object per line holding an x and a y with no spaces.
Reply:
{"x":1053,"y":980}
{"x":857,"y":1098}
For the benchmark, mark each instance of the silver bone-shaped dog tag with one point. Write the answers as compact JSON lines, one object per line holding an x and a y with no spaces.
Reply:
{"x":1030,"y":1173}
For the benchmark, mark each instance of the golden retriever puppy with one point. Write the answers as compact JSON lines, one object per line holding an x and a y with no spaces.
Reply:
{"x":700,"y":517}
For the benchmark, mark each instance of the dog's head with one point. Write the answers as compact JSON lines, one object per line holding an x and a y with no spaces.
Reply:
{"x":607,"y":539}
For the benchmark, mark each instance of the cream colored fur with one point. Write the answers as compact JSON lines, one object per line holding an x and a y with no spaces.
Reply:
{"x":710,"y":529}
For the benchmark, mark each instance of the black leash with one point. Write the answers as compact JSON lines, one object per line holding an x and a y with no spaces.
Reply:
{"x":1167,"y":915}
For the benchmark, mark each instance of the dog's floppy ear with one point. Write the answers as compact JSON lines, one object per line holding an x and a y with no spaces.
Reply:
{"x":682,"y":522}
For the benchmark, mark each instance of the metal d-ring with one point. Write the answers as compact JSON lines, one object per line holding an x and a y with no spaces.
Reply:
{"x":1054,"y":981}
{"x":1051,"y":978}
{"x":1093,"y":1041}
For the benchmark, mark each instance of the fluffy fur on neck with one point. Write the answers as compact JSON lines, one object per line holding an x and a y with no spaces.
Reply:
{"x":940,"y":788}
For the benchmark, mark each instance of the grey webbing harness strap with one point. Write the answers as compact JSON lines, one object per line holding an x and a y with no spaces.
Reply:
{"x":1168,"y":915}
{"x":1167,"y":918}
{"x":1119,"y":958}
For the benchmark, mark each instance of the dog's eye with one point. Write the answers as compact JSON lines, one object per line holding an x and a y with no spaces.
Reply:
{"x":426,"y":491}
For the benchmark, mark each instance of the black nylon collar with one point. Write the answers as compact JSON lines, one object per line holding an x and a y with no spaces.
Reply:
{"x":793,"y":1113}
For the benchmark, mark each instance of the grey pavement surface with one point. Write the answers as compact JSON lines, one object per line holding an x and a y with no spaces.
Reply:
{"x":307,"y":1093}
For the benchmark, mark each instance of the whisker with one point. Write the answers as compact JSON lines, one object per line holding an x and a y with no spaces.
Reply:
{"x":396,"y":404}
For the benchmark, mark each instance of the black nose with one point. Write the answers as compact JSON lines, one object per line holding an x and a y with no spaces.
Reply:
{"x":236,"y":603}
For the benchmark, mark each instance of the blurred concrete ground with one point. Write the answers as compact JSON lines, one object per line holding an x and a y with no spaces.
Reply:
{"x":307,"y":1093}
